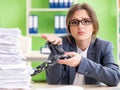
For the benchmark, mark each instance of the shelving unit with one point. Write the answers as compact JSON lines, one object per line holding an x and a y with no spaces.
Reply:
{"x":38,"y":35}
{"x":41,"y":12}
{"x":46,"y":16}
{"x":48,"y":9}
{"x":45,"y":23}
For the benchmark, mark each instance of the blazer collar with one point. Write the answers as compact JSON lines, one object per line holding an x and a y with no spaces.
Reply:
{"x":91,"y":49}
{"x":90,"y":55}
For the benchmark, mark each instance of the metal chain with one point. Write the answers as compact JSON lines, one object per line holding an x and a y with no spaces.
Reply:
{"x":48,"y":63}
{"x":41,"y":67}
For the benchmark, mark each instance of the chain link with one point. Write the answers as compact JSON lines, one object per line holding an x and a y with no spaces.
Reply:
{"x":48,"y":63}
{"x":41,"y":67}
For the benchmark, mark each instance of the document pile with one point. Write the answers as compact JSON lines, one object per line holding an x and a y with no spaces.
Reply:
{"x":14,"y":72}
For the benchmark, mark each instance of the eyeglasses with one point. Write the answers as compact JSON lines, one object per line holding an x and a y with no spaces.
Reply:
{"x":85,"y":22}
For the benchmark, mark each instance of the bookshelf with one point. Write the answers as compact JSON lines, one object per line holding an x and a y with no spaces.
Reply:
{"x":45,"y":26}
{"x":43,"y":11}
{"x":48,"y":9}
{"x":46,"y":16}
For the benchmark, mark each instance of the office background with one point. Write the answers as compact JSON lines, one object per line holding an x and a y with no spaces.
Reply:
{"x":13,"y":15}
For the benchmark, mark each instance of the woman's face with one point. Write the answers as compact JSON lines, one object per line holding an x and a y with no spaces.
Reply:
{"x":81,"y":26}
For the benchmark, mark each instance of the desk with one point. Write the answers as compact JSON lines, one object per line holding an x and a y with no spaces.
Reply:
{"x":86,"y":87}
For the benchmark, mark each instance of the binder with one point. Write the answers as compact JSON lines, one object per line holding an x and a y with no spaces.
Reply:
{"x":51,"y":3}
{"x":70,"y":3}
{"x":65,"y":31}
{"x":30,"y":23}
{"x":62,"y":23}
{"x":56,"y":3}
{"x":61,"y":3}
{"x":66,"y":3}
{"x":56,"y":23}
{"x":33,"y":24}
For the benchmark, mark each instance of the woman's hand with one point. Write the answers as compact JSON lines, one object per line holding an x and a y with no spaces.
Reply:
{"x":53,"y":39}
{"x":73,"y":61}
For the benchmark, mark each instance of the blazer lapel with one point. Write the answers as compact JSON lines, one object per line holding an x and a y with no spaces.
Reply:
{"x":91,"y":56}
{"x":72,"y":48}
{"x":91,"y":50}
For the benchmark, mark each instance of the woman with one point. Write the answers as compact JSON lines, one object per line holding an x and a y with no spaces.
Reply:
{"x":92,"y":60}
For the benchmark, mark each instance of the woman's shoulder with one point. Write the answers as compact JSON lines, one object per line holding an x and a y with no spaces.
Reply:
{"x":99,"y":40}
{"x":103,"y":42}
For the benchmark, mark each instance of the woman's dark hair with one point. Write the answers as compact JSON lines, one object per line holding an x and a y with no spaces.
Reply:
{"x":91,"y":13}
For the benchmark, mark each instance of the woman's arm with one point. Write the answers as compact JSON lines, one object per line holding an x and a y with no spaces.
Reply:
{"x":106,"y":71}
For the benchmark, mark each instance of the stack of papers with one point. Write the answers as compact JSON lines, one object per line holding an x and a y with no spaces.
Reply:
{"x":14,"y":72}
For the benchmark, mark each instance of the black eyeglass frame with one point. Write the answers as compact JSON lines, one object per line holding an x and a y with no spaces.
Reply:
{"x":84,"y":21}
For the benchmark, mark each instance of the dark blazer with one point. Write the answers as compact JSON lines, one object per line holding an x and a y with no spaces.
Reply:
{"x":99,"y":66}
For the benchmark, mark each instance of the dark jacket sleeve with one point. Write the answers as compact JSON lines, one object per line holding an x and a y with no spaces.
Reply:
{"x":103,"y":67}
{"x":99,"y":66}
{"x":58,"y":74}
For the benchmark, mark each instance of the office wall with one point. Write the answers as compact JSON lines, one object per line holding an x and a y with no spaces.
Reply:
{"x":13,"y":15}
{"x":106,"y":11}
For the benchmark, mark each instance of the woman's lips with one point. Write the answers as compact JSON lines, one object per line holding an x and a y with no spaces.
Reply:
{"x":81,"y":32}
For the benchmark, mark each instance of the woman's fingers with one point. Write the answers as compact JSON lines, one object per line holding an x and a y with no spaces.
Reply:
{"x":44,"y":36}
{"x":71,"y":54}
{"x":53,"y":39}
{"x":73,"y":61}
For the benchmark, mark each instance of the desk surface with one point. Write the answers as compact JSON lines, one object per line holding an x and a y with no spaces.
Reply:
{"x":86,"y":87}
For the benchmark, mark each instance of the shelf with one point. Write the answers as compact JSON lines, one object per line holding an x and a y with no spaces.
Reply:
{"x":49,"y":9}
{"x":45,"y":33}
{"x":35,"y":56}
{"x":45,"y":17}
